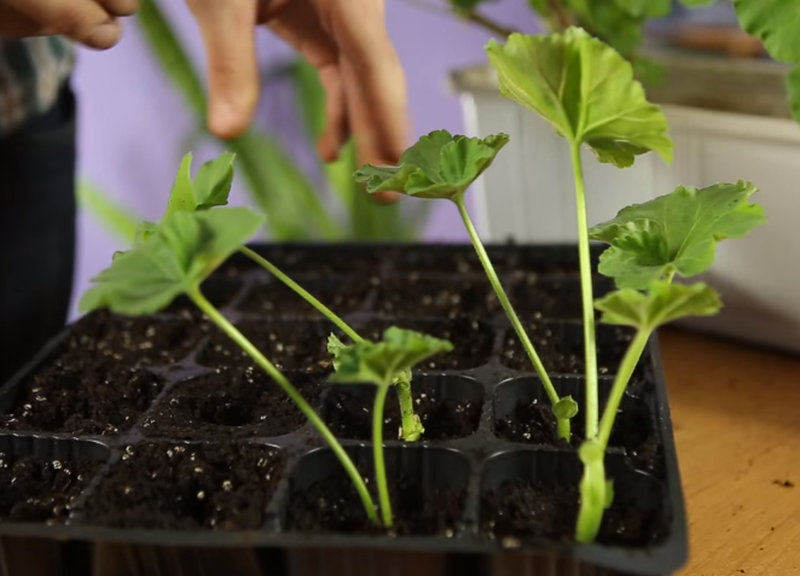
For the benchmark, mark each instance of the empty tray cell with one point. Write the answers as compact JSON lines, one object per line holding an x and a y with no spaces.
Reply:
{"x":342,"y":294}
{"x":560,"y":347}
{"x":448,"y":405}
{"x":322,"y":498}
{"x":40,"y":478}
{"x":473,"y":340}
{"x":445,"y":259}
{"x":237,"y":402}
{"x":553,"y":297}
{"x":133,"y":342}
{"x":555,"y":259}
{"x":323,"y":260}
{"x":220,"y":290}
{"x":300,"y":345}
{"x":180,"y":486}
{"x":533,"y":495}
{"x":416,"y":296}
{"x":71,"y":397}
{"x":522,"y":413}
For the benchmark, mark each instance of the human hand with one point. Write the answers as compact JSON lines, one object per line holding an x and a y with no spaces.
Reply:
{"x":346,"y":40}
{"x":92,"y":23}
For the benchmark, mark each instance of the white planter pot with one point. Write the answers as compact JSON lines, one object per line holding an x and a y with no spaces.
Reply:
{"x":528,"y":193}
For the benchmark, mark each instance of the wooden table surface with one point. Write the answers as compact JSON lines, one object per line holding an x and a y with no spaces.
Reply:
{"x":736,"y":412}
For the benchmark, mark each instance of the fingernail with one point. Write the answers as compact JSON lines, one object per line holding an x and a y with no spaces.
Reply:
{"x":104,"y":36}
{"x":224,"y":120}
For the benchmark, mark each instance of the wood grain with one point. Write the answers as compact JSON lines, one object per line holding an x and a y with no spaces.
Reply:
{"x":736,"y":413}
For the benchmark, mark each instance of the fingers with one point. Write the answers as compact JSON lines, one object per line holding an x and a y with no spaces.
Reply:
{"x":120,"y":7}
{"x":228,"y":30}
{"x":336,"y":131}
{"x":375,"y":85}
{"x":84,"y":21}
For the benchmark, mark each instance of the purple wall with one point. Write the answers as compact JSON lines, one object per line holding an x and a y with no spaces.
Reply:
{"x":133,"y":127}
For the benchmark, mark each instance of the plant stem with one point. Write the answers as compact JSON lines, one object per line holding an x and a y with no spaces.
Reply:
{"x":225,"y":325}
{"x":590,"y":350}
{"x":563,"y":424}
{"x":411,"y":428}
{"x":593,"y":485}
{"x":377,"y":455}
{"x":302,"y":292}
{"x":628,"y":365}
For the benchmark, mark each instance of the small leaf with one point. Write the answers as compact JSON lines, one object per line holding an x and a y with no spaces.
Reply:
{"x":676,"y":232}
{"x":565,"y":408}
{"x":586,"y":90}
{"x":212,"y":185}
{"x":380,"y":362}
{"x":662,"y":303}
{"x":775,"y":23}
{"x":184,"y":249}
{"x":144,"y":230}
{"x":335,"y":347}
{"x":182,"y":198}
{"x":439,"y":165}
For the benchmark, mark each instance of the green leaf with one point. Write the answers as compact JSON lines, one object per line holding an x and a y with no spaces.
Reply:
{"x":380,"y":362}
{"x":609,"y":493}
{"x":586,"y":90}
{"x":310,"y":96}
{"x":144,"y":230}
{"x":181,"y":197}
{"x":675,"y":233}
{"x":439,"y":165}
{"x":774,"y":22}
{"x":662,"y":303}
{"x":565,"y":408}
{"x":212,"y":184}
{"x":335,"y":348}
{"x":184,"y":249}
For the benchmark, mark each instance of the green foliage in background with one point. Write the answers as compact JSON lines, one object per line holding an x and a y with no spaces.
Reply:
{"x":295,"y":208}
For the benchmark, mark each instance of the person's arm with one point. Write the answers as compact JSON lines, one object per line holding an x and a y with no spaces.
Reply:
{"x":93,"y":23}
{"x":346,"y":40}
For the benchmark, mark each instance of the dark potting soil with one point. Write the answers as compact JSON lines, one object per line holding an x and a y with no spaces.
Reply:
{"x":343,"y":295}
{"x":224,"y":486}
{"x":634,"y":430}
{"x":232,"y":403}
{"x":560,"y":347}
{"x":418,"y":296}
{"x":133,"y":342}
{"x":334,"y":506}
{"x":322,"y":261}
{"x":473,"y":341}
{"x":552,"y":297}
{"x":348,"y":413}
{"x":95,"y":398}
{"x":36,"y":490}
{"x":521,"y":511}
{"x":300,"y":346}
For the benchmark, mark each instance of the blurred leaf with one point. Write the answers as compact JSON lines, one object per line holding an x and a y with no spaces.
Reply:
{"x":110,"y":215}
{"x":776,"y":23}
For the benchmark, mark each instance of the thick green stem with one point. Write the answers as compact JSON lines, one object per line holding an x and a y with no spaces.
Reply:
{"x":590,"y":350}
{"x":240,"y":339}
{"x":594,"y":488}
{"x":302,"y":292}
{"x":377,"y":455}
{"x":563,"y":423}
{"x":628,"y":365}
{"x":411,"y":428}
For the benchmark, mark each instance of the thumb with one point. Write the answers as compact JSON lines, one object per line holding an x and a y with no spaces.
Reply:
{"x":228,"y":30}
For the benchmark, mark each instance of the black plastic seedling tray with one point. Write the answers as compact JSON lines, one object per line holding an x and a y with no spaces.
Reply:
{"x":153,"y":432}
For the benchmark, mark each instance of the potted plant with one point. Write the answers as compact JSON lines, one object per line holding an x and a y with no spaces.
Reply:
{"x":190,"y":407}
{"x":730,"y":117}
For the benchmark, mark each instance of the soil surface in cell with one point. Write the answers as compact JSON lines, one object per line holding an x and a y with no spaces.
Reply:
{"x":343,"y":295}
{"x":419,"y":296}
{"x":81,"y":398}
{"x":36,"y":490}
{"x":348,"y":413}
{"x":560,"y":347}
{"x":554,"y":297}
{"x":220,"y":290}
{"x":133,"y":342}
{"x":519,"y":512}
{"x":473,"y":341}
{"x":321,"y":261}
{"x":634,"y":430}
{"x":333,"y":506}
{"x":300,"y":346}
{"x":223,"y":486}
{"x":233,"y":402}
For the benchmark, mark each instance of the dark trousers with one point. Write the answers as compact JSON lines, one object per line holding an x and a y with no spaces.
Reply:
{"x":37,"y":232}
